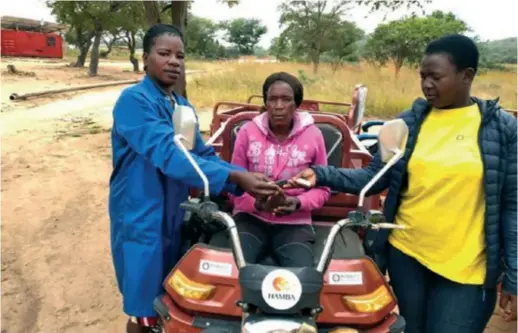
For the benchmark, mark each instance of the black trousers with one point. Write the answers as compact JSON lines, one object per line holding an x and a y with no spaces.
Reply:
{"x":431,"y":303}
{"x":291,"y":245}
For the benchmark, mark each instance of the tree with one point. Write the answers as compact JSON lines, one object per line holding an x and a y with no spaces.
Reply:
{"x":110,"y":39}
{"x":200,"y":38}
{"x":311,"y":26}
{"x":496,"y":52}
{"x":344,"y":44}
{"x":279,"y":48}
{"x":260,"y":51}
{"x":89,"y":19}
{"x":80,"y":33}
{"x":131,"y":29}
{"x":403,"y":41}
{"x":244,"y":34}
{"x":383,"y":5}
{"x":100,"y":13}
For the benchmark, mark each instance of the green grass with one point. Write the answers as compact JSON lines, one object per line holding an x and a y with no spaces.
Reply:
{"x":386,"y":96}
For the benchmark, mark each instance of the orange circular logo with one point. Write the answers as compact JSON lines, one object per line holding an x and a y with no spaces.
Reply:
{"x":280,"y":284}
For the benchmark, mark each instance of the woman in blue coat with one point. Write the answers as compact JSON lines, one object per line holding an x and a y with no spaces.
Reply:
{"x":151,"y":177}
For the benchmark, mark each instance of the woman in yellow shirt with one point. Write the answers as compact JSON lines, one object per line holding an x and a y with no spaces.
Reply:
{"x":456,"y":190}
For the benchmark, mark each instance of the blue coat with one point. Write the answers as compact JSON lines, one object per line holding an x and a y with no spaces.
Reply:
{"x":497,"y":142}
{"x":150,"y":178}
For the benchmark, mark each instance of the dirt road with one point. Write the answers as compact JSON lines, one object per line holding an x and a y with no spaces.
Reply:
{"x":57,"y":275}
{"x":56,"y":270}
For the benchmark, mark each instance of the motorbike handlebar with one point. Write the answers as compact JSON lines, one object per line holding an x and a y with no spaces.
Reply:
{"x":329,"y":243}
{"x":190,"y":207}
{"x":208,"y":211}
{"x":347,"y":223}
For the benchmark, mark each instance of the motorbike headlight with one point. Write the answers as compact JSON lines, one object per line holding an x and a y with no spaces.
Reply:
{"x":372,"y":302}
{"x":278,"y":326}
{"x":190,"y":289}
{"x":344,"y":330}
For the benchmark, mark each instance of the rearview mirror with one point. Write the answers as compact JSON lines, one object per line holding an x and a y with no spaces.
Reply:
{"x":184,"y":121}
{"x":392,"y":138}
{"x":391,"y":141}
{"x":359,"y":100}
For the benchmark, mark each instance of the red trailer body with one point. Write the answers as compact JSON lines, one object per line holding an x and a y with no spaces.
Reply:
{"x":17,"y":43}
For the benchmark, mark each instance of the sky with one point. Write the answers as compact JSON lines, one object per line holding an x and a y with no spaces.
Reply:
{"x":489,"y":19}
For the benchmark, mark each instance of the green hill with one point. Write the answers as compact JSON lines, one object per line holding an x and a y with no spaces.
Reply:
{"x":502,"y":51}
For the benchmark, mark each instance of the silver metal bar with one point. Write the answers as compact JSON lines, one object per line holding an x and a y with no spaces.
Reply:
{"x":329,"y":243}
{"x":216,"y":135}
{"x":384,"y":225}
{"x":336,"y":229}
{"x":358,"y":143}
{"x":397,"y":156}
{"x":340,"y":137}
{"x":178,"y":140}
{"x":227,"y":220}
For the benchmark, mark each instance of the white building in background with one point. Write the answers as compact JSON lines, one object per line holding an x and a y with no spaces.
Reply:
{"x":255,"y":59}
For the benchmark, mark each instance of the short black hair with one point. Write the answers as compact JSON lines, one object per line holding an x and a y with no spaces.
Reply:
{"x":296,"y":86}
{"x":158,"y":30}
{"x":461,"y":49}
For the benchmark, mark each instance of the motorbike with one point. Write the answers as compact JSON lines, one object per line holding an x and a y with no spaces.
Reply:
{"x":214,"y":290}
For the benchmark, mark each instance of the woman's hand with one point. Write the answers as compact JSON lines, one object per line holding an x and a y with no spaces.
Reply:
{"x":256,"y":184}
{"x":269,"y":204}
{"x":508,"y":304}
{"x":291,"y":205}
{"x":308,"y":175}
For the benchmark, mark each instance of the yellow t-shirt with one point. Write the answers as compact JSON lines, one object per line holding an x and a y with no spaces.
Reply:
{"x":444,"y":204}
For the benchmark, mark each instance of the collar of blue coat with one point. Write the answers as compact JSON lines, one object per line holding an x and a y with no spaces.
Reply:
{"x":158,"y":91}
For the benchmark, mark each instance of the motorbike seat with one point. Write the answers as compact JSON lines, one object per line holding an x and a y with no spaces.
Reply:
{"x":347,"y":245}
{"x":333,"y":139}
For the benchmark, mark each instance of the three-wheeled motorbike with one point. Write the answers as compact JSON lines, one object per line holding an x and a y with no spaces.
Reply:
{"x":213,"y":290}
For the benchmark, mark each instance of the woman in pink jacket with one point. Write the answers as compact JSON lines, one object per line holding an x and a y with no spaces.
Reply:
{"x":280,"y":143}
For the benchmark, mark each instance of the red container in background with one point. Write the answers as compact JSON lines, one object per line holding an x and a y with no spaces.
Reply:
{"x":17,"y":43}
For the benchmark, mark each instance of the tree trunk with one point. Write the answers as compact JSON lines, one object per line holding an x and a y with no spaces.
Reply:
{"x":315,"y":57}
{"x":104,"y":54}
{"x":398,"y":64}
{"x":131,"y":41}
{"x":335,"y":65}
{"x":83,"y":43}
{"x":134,"y":61}
{"x":397,"y":69}
{"x":179,"y":14}
{"x":83,"y":52}
{"x":316,"y":61}
{"x":98,"y":32}
{"x":152,"y":12}
{"x":94,"y":56}
{"x":179,"y":19}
